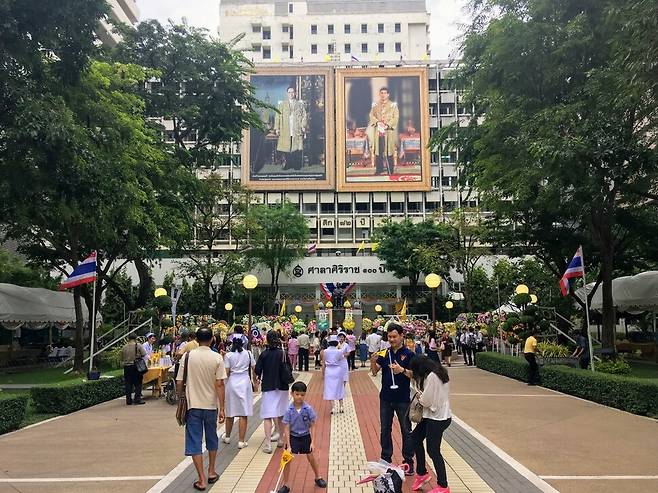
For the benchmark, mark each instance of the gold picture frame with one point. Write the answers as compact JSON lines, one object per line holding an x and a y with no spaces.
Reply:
{"x":328,"y":183}
{"x":394,"y":182}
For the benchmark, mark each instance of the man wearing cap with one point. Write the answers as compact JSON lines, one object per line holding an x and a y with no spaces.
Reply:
{"x":148,"y":345}
{"x":131,"y":378}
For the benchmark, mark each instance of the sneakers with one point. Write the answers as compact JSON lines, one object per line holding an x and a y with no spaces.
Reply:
{"x":320,"y":483}
{"x":280,"y":444}
{"x":283,"y":489}
{"x":275,"y":436}
{"x":242,"y":444}
{"x":225,"y":439}
{"x":267,"y":448}
{"x":420,"y":482}
{"x":439,"y":489}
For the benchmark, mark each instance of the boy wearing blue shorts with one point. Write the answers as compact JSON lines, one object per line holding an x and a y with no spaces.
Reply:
{"x":298,"y":423}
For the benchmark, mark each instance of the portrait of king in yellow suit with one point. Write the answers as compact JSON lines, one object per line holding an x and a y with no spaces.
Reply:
{"x":290,"y":127}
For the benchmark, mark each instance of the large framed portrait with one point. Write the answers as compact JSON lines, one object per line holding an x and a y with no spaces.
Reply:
{"x":295,"y":148}
{"x":382,"y":129}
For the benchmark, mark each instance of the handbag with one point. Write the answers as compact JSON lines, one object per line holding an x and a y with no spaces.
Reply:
{"x":140,"y":364}
{"x":285,"y":370}
{"x":181,"y":410}
{"x":415,"y":410}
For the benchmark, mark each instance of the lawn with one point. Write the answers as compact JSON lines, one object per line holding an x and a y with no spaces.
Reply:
{"x":644,"y":370}
{"x":46,"y":376}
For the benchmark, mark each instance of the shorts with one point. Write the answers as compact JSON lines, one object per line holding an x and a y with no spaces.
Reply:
{"x":199,"y":422}
{"x":300,"y":445}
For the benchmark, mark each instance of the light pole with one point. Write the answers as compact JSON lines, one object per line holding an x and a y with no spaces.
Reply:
{"x":449,"y":306}
{"x":250,"y":282}
{"x":433,"y":281}
{"x":229,"y":307}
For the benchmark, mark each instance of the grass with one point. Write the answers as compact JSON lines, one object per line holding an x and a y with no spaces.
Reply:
{"x":46,"y":376}
{"x":648,"y":371}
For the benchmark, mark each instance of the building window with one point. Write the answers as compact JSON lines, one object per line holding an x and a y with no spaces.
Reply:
{"x":330,"y":29}
{"x":284,"y":28}
{"x":398,"y":47}
{"x":380,"y":28}
{"x":448,"y":157}
{"x":414,"y":207}
{"x":380,"y":48}
{"x":398,"y":27}
{"x":433,"y":109}
{"x":267,"y":33}
{"x":446,"y":181}
{"x":314,"y":49}
{"x":348,"y":48}
{"x":291,"y":8}
{"x":363,"y":207}
{"x":291,"y":52}
{"x":432,"y":85}
{"x":329,"y":208}
{"x":364,"y":47}
{"x":397,"y":207}
{"x":364,"y":28}
{"x":291,"y":31}
{"x":447,"y":84}
{"x":314,"y":29}
{"x":436,"y":181}
{"x":345,"y":208}
{"x":348,"y":28}
{"x":267,"y":52}
{"x":330,"y":48}
{"x":447,"y":109}
{"x":310,"y":208}
{"x":255,"y":28}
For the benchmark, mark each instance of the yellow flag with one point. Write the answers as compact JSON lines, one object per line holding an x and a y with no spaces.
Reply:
{"x":403,"y":311}
{"x":374,"y":246}
{"x":285,"y":458}
{"x":282,"y":311}
{"x":382,"y":353}
{"x":362,"y":246}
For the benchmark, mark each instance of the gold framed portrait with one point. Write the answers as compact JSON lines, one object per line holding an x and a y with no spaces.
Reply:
{"x":296,"y":148}
{"x":382,"y":129}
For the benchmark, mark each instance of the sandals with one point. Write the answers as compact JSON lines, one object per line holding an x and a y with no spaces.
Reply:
{"x":196,"y":486}
{"x":213,"y":480}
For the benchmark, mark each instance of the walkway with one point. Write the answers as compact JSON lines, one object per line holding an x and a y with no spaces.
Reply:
{"x":505,"y":437}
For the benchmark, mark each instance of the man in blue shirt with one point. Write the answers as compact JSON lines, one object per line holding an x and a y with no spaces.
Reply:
{"x":393,"y":361}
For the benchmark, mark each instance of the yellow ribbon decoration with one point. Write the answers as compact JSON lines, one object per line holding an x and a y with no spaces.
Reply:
{"x":286,"y":457}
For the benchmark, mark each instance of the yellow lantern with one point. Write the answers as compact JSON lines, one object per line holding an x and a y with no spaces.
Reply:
{"x":533,"y":298}
{"x":347,"y":304}
{"x":449,"y":305}
{"x":329,"y":305}
{"x":250,"y":281}
{"x":522,"y":289}
{"x":378,"y":308}
{"x":228,"y":307}
{"x":160,"y":292}
{"x":432,"y":281}
{"x":298,"y":309}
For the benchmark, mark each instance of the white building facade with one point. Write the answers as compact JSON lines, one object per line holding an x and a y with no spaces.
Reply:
{"x":121,"y":12}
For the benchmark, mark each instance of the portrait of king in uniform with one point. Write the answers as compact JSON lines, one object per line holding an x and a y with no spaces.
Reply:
{"x":290,"y":127}
{"x":382,"y":132}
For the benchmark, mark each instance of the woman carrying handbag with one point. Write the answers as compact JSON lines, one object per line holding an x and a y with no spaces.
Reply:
{"x":430,"y":409}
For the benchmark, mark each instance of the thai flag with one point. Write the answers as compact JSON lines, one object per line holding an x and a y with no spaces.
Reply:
{"x":354,"y":59}
{"x":84,"y":273}
{"x":312,"y":248}
{"x":574,"y":270}
{"x":328,"y":287}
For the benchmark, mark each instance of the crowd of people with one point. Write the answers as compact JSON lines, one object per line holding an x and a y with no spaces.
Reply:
{"x":219,"y":377}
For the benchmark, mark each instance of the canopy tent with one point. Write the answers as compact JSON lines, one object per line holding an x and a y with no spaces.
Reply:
{"x":629,"y":293}
{"x":36,"y":307}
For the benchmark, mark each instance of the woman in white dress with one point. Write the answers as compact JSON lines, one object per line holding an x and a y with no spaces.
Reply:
{"x":332,"y":373}
{"x":239,"y":391}
{"x":274,"y":400}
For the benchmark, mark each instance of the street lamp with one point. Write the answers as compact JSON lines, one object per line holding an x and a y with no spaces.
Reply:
{"x":250,"y":282}
{"x":228,"y":307}
{"x":160,"y":292}
{"x":378,"y":309}
{"x":298,"y":309}
{"x":433,"y":281}
{"x":533,"y":299}
{"x":522,"y":289}
{"x":449,"y":306}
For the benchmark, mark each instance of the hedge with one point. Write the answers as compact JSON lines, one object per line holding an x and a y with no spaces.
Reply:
{"x":66,"y":399}
{"x":635,"y":395}
{"x":13,"y":409}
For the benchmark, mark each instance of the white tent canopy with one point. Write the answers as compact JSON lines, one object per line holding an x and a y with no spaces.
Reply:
{"x":629,"y":293}
{"x":19,"y":305}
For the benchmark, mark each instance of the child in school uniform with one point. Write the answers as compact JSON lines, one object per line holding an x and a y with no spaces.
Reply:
{"x":298,"y":425}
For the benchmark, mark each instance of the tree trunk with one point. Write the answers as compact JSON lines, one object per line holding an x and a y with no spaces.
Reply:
{"x":603,"y":233}
{"x":413,"y":290}
{"x":78,"y":360}
{"x":145,"y":283}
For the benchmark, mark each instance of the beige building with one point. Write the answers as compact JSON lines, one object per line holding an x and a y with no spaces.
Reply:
{"x":122,"y":12}
{"x":275,"y":31}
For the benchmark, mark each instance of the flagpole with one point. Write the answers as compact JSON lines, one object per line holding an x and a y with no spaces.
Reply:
{"x":93,"y":328}
{"x":589,"y":334}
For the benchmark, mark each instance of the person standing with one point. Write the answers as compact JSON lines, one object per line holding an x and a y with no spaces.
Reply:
{"x":383,"y":132}
{"x":239,"y":390}
{"x":393,"y":362}
{"x":351,"y":342}
{"x":373,"y":341}
{"x":363,"y":350}
{"x":432,"y":345}
{"x":529,"y":350}
{"x":132,"y":379}
{"x":304,"y":342}
{"x":149,"y":345}
{"x":204,"y":374}
{"x":332,"y":374}
{"x":582,"y":351}
{"x":293,"y":349}
{"x":274,"y":399}
{"x":430,"y":385}
{"x":446,"y":348}
{"x":290,"y":127}
{"x":468,"y":346}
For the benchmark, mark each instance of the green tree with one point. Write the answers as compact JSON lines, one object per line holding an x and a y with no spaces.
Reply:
{"x":568,"y":125}
{"x":409,"y":249}
{"x":277,"y":235}
{"x":13,"y":270}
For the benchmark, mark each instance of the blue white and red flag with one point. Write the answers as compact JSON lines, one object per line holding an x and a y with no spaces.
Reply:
{"x":84,"y":273}
{"x":575,"y":269}
{"x":327,"y":288}
{"x":312,"y":248}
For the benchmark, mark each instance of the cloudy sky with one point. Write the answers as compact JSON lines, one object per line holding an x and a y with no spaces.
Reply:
{"x":447,"y":15}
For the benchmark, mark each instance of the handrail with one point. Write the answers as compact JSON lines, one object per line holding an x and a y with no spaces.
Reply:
{"x":61,"y":363}
{"x":120,"y":338}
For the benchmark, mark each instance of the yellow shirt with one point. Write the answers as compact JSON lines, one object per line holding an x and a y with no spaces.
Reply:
{"x":205,"y":368}
{"x":530,"y":345}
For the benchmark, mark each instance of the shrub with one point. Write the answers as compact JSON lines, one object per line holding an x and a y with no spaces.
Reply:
{"x":13,"y":409}
{"x":617,"y":366}
{"x":552,"y":350}
{"x":66,"y":399}
{"x":635,"y":395}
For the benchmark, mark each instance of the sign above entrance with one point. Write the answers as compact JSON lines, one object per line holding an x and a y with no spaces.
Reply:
{"x":363,"y":270}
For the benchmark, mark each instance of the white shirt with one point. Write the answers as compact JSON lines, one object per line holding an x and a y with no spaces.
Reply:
{"x":435,"y":398}
{"x":205,"y":368}
{"x":373,"y":342}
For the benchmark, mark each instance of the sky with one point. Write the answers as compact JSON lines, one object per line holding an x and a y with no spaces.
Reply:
{"x":447,"y":15}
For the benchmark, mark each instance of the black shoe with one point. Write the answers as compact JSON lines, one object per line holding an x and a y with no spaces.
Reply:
{"x":283,"y":489}
{"x":139,"y":402}
{"x":129,"y":403}
{"x":320,"y":483}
